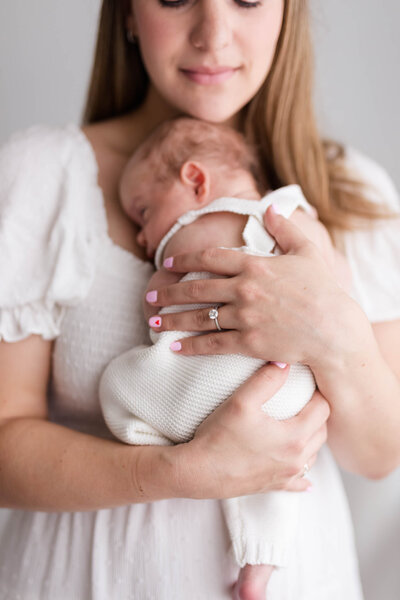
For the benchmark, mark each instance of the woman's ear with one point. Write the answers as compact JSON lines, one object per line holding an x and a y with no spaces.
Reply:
{"x":130,"y":25}
{"x":196,"y":176}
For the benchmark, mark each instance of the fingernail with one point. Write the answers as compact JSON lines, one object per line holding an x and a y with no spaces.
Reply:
{"x":176,"y":346}
{"x":155,"y":321}
{"x":281,"y":365}
{"x":309,"y":489}
{"x":151,"y":296}
{"x":275,"y":209}
{"x":168,"y":262}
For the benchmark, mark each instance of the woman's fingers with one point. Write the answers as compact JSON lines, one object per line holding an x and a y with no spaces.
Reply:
{"x":289,"y":237}
{"x":263,"y":384}
{"x":313,"y":416}
{"x":215,"y":260}
{"x":309,"y":456}
{"x":221,"y":342}
{"x":195,"y":320}
{"x":195,"y":291}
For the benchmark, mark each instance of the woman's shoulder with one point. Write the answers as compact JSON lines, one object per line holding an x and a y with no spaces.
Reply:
{"x":51,"y":221}
{"x":380,"y":187}
{"x":374,"y":252}
{"x":45,"y":150}
{"x":46,"y":167}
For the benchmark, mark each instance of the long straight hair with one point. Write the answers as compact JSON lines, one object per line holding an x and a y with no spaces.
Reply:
{"x":279,"y":120}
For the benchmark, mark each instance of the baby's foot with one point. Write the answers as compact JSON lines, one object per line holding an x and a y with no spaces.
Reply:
{"x":252,"y":582}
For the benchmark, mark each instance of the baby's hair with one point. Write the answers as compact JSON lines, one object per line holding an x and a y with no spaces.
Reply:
{"x":174,"y":142}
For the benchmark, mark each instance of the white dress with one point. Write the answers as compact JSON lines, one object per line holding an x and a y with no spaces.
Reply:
{"x":61,"y":276}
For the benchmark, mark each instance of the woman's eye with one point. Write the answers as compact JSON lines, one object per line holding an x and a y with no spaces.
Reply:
{"x":247,"y":4}
{"x":178,"y":3}
{"x":172,"y":3}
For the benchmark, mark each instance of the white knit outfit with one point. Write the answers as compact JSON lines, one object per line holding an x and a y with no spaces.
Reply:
{"x":63,"y":278}
{"x":151,"y":395}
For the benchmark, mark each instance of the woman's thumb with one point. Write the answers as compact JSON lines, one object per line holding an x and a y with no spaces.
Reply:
{"x":288,"y":236}
{"x":264,"y":384}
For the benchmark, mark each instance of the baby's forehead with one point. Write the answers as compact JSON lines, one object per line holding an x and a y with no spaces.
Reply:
{"x":139,"y":166}
{"x":143,"y":159}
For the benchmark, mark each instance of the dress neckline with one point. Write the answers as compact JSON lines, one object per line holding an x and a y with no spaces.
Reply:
{"x":83,"y":139}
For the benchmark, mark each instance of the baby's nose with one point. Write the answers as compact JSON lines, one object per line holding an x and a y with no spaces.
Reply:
{"x":141,"y":240}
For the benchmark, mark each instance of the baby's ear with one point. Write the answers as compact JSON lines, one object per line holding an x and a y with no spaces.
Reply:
{"x":195,"y":175}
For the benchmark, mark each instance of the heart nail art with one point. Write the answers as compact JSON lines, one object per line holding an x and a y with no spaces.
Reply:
{"x":155,"y":321}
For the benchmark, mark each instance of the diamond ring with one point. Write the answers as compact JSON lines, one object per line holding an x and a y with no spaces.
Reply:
{"x":213,"y":314}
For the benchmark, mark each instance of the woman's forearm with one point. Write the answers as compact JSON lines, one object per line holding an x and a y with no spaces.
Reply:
{"x":44,"y":466}
{"x":364,"y":395}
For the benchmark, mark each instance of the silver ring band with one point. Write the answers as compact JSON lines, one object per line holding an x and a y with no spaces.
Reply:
{"x":213,"y":314}
{"x":306,"y":468}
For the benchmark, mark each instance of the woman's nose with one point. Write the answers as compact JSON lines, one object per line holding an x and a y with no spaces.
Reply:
{"x":212,"y":30}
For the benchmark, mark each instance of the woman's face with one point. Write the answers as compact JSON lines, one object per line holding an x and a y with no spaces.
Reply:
{"x":207,"y":58}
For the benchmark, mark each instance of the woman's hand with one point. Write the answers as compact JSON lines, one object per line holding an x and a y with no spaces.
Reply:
{"x":287,"y":308}
{"x":240,"y":450}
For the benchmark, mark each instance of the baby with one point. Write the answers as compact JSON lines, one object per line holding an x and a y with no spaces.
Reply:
{"x":189,"y":186}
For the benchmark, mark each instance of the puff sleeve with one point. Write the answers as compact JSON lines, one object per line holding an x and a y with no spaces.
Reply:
{"x":50,"y":223}
{"x":374,"y":253}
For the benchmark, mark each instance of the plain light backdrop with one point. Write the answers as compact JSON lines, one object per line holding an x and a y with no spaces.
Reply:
{"x":45,"y":57}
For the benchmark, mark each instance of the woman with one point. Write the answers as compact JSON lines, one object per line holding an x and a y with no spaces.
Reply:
{"x":79,"y":277}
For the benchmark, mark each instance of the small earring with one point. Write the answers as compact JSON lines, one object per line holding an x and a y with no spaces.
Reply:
{"x":132,"y":39}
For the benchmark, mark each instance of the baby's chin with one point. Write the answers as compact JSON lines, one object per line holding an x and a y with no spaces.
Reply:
{"x":150,"y":253}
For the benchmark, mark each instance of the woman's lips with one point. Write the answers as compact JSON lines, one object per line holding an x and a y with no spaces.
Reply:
{"x":207,"y":76}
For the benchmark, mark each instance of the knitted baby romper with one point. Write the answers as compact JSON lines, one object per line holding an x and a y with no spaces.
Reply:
{"x":151,"y":395}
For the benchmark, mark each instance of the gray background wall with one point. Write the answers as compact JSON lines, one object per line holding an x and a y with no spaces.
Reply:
{"x":45,"y":57}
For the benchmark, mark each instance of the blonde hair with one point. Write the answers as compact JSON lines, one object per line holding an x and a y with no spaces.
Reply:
{"x":279,"y":120}
{"x":176,"y":141}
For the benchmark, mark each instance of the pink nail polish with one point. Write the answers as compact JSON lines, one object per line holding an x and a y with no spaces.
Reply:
{"x":168,"y":262}
{"x":176,"y":346}
{"x":151,"y":296}
{"x":155,"y":321}
{"x":275,"y":209}
{"x":281,"y":365}
{"x":309,"y":489}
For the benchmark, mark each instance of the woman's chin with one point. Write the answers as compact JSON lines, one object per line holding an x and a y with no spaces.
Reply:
{"x":212,"y":114}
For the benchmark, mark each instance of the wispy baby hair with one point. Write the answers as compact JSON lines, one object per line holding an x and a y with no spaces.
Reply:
{"x":175,"y":141}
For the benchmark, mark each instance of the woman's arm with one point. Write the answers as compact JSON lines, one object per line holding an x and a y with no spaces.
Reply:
{"x":44,"y":466}
{"x":290,"y":309}
{"x":364,"y":392}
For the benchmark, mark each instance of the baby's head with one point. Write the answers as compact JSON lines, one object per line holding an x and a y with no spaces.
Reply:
{"x":182,"y":166}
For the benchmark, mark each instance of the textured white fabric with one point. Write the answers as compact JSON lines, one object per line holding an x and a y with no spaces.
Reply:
{"x":175,"y":548}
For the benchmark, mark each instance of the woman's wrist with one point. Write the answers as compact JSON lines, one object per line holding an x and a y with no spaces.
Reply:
{"x":156,"y":473}
{"x":347,"y":342}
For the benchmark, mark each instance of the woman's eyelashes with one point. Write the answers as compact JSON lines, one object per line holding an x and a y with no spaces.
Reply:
{"x":172,"y":3}
{"x":248,"y":4}
{"x":179,"y":3}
